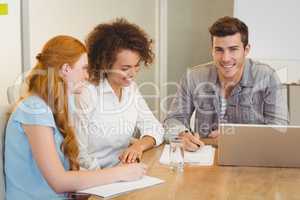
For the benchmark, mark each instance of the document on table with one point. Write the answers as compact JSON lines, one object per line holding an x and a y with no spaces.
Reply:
{"x":114,"y":189}
{"x":204,"y":156}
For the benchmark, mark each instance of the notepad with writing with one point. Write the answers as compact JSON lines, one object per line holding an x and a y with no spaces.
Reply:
{"x":204,"y":156}
{"x":115,"y":189}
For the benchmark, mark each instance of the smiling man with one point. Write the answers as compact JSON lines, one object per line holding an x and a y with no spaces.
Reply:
{"x":231,"y":89}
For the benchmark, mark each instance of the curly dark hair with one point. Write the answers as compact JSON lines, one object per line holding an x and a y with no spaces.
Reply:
{"x":108,"y":39}
{"x":226,"y":26}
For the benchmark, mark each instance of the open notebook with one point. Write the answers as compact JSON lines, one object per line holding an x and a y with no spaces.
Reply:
{"x":204,"y":156}
{"x":115,"y":189}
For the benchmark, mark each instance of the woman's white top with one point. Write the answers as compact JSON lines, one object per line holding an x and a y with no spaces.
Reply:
{"x":104,"y":125}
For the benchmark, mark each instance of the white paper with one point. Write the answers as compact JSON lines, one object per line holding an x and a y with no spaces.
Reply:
{"x":114,"y":189}
{"x":204,"y":156}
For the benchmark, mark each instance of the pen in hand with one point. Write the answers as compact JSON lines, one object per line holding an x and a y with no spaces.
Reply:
{"x":138,"y":160}
{"x":197,"y":136}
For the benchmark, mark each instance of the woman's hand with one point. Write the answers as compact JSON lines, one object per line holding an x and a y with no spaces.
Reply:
{"x":132,"y":154}
{"x":131,"y":172}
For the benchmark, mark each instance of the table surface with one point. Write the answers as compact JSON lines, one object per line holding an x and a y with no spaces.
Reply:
{"x":216,"y":182}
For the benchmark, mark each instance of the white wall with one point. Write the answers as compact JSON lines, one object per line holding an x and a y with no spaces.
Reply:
{"x":273,"y":33}
{"x":10,"y":47}
{"x":274,"y":27}
{"x":78,"y":18}
{"x":189,"y":41}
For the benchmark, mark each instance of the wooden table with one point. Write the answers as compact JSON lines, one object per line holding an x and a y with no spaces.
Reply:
{"x":216,"y":182}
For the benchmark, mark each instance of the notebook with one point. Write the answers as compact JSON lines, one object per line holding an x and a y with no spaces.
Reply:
{"x":115,"y":189}
{"x":204,"y":156}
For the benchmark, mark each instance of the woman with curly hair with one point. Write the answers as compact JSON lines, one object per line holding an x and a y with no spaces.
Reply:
{"x":111,"y":107}
{"x":41,"y":150}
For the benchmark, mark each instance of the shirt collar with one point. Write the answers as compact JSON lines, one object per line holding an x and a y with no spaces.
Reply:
{"x":106,"y":87}
{"x":247,"y":78}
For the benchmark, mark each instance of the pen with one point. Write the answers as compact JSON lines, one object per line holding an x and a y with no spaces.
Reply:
{"x":138,"y":160}
{"x":198,"y":145}
{"x":194,"y":134}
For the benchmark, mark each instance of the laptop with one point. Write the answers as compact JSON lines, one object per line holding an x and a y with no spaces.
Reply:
{"x":259,"y":145}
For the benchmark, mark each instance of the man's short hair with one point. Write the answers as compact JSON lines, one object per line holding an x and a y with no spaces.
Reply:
{"x":227,"y":26}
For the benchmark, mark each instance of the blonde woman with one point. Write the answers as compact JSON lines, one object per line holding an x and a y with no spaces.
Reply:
{"x":41,"y":152}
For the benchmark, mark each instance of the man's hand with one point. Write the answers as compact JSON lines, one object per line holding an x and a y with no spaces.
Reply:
{"x":191,"y":142}
{"x":214,"y":134}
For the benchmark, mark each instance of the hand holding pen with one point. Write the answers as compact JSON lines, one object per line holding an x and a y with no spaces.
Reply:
{"x":191,"y":141}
